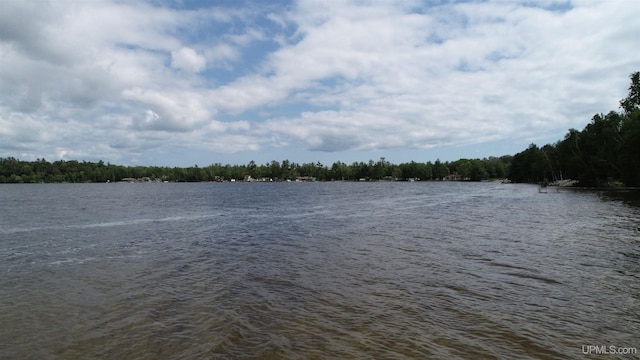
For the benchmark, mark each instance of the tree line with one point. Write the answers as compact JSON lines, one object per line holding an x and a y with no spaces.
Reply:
{"x":605,"y":153}
{"x":71,"y":171}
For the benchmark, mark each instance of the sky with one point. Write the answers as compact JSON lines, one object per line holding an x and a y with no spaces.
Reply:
{"x":183,"y":83}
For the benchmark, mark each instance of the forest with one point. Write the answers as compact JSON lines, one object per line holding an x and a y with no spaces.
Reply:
{"x":61,"y":171}
{"x":604,"y":153}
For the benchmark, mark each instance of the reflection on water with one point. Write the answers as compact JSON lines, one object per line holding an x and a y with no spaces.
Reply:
{"x":321,"y":270}
{"x":630,"y":197}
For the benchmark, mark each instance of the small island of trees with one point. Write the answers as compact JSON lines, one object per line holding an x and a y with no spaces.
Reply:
{"x":604,"y":153}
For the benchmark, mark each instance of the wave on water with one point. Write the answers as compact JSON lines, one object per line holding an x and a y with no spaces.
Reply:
{"x":324,"y":270}
{"x":117,"y":223}
{"x":82,"y":260}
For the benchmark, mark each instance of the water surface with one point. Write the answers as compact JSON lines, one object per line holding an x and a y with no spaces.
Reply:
{"x":315,"y":270}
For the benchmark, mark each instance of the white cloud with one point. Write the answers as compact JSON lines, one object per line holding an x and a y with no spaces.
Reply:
{"x":169,"y":110}
{"x":116,"y":78}
{"x":188,"y":59}
{"x":507,"y":70}
{"x":220,"y":55}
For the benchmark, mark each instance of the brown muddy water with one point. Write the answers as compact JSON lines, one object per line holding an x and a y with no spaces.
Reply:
{"x":317,"y":271}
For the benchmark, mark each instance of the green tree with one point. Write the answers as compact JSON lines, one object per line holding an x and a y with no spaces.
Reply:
{"x":631,"y":103}
{"x":440,"y":170}
{"x":529,"y":165}
{"x":630,"y":129}
{"x":341,"y":171}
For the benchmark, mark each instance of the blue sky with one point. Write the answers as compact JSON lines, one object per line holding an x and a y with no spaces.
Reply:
{"x":178,"y":83}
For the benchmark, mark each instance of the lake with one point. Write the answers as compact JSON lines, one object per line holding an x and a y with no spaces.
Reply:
{"x":317,"y":271}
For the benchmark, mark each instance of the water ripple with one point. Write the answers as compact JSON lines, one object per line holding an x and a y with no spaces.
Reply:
{"x":272,"y":271}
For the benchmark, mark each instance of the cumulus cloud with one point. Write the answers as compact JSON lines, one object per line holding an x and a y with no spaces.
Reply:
{"x":122,"y":79}
{"x":169,"y":110}
{"x":188,"y":59}
{"x":453,"y":74}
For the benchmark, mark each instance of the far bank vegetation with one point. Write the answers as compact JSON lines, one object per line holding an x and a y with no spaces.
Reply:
{"x":61,"y":171}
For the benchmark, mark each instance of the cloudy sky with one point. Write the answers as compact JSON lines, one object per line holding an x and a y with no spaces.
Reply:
{"x":180,"y":82}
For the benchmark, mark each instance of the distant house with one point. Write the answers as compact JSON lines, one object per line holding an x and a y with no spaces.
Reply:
{"x":452,"y":177}
{"x":134,"y":180}
{"x":305,"y":178}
